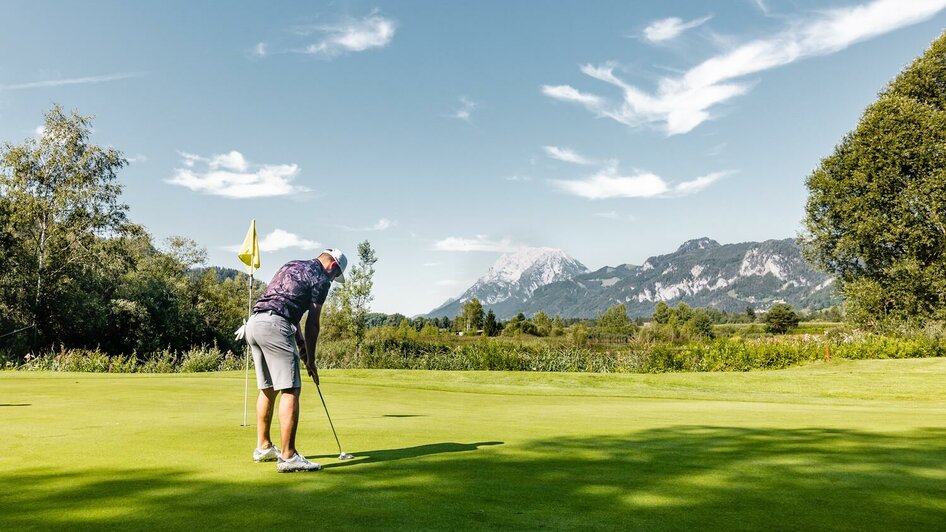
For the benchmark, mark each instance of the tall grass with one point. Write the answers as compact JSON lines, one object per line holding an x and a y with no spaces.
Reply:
{"x":642,"y":355}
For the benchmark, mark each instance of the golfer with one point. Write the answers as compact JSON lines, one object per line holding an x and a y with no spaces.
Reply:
{"x":274,"y":336}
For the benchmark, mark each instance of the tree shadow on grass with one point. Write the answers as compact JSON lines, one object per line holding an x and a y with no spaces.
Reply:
{"x":685,"y":477}
{"x":386,"y":455}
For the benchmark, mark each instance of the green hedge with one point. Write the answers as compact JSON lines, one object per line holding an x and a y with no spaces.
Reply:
{"x":498,"y":354}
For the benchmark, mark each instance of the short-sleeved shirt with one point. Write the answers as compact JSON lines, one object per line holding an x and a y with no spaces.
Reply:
{"x":294,"y":288}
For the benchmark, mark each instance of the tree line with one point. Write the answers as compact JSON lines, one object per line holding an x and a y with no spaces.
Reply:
{"x":76,"y":272}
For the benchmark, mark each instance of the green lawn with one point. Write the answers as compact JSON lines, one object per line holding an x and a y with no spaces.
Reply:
{"x":846,"y":445}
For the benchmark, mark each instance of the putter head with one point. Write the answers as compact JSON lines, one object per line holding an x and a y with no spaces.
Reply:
{"x":345,"y":456}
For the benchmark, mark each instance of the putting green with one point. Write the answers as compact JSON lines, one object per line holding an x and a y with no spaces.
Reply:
{"x":847,"y":445}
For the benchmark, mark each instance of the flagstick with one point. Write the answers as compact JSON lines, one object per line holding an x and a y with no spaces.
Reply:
{"x":246,"y":353}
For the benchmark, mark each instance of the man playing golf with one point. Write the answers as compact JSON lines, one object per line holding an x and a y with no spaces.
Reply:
{"x":275,"y":338}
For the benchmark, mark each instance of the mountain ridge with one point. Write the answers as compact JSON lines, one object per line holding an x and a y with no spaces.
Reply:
{"x":701,"y":272}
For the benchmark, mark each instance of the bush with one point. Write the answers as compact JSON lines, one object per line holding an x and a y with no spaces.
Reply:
{"x":159,"y":362}
{"x":780,"y":319}
{"x":201,"y":359}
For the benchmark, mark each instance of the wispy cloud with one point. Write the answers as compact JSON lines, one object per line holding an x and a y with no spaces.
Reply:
{"x":567,"y":155}
{"x":279,"y":239}
{"x":681,"y":103}
{"x":608,"y":183}
{"x":478,"y":243}
{"x":432,"y":264}
{"x":69,"y":81}
{"x":465,"y":112}
{"x":762,"y":5}
{"x":260,"y":50}
{"x":350,"y":35}
{"x":381,"y":225}
{"x":670,"y":28}
{"x":231,"y":175}
{"x":449,"y":282}
{"x":518,"y":177}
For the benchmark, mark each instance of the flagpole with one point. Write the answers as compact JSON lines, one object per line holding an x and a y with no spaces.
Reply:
{"x":249,"y":255}
{"x":246,"y":353}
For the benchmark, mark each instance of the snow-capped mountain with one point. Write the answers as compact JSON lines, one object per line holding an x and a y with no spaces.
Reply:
{"x":701,"y":273}
{"x":513,"y":279}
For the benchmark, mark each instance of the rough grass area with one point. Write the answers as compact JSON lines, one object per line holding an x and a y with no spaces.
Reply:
{"x":851,"y":445}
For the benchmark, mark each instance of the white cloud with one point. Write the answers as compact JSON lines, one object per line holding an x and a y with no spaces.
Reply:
{"x":518,"y":177}
{"x":70,"y":81}
{"x":448,"y":282}
{"x":607,"y":183}
{"x":230,"y":175}
{"x":431,"y":264}
{"x":352,"y":35}
{"x":229,"y":161}
{"x":681,"y":103}
{"x":670,"y":28}
{"x":38,"y":131}
{"x":479,"y":243}
{"x":567,"y":155}
{"x":138,"y":158}
{"x":465,"y":112}
{"x":381,"y":225}
{"x":698,"y":184}
{"x":280,"y":239}
{"x":260,"y":50}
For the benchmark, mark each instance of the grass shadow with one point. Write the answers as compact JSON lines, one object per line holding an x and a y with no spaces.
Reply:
{"x":387,"y":455}
{"x":683,"y":477}
{"x":15,"y":404}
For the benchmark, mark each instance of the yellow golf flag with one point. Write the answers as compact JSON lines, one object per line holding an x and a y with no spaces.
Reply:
{"x":249,"y":253}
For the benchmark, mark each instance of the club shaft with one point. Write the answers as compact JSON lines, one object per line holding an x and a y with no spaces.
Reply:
{"x":329,"y":418}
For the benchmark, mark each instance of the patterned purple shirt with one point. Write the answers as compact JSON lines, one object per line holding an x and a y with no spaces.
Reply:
{"x":294,"y":288}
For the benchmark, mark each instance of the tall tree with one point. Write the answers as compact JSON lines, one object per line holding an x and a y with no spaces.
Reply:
{"x":354,"y":297}
{"x":490,"y":325}
{"x":615,"y":321}
{"x":661,"y":313}
{"x":471,"y":316}
{"x":876,"y":212}
{"x":543,"y":323}
{"x":62,"y":193}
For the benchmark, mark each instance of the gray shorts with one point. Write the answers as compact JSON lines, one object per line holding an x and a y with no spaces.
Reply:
{"x":272,"y":340}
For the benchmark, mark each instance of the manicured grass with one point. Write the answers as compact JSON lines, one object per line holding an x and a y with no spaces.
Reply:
{"x":850,"y":445}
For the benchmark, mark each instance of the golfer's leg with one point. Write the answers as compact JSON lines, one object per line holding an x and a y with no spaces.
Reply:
{"x":264,"y":417}
{"x":288,"y":419}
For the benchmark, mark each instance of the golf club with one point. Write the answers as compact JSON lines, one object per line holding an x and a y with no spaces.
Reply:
{"x":341,"y":454}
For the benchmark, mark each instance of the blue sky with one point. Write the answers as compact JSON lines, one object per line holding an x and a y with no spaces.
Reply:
{"x":448,"y":133}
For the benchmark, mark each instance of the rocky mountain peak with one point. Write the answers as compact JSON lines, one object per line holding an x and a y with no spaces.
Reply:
{"x":698,"y":243}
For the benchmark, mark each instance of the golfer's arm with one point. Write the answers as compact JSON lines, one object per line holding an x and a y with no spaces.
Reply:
{"x":312,"y":329}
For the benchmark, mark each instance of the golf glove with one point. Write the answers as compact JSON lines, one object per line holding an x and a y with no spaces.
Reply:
{"x":240,"y":333}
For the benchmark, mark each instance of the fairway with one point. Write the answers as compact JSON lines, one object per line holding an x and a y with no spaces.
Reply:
{"x":839,"y":446}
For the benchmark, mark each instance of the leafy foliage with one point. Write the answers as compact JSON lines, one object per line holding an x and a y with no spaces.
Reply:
{"x":780,"y":319}
{"x":876,"y":212}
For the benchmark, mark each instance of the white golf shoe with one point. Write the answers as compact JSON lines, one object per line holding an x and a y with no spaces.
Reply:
{"x":296,"y":464}
{"x":269,"y":455}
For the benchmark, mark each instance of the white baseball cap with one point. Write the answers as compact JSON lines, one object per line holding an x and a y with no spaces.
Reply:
{"x":342,"y":261}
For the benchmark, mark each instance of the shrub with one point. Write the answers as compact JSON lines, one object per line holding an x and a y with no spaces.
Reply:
{"x":201,"y":359}
{"x":159,"y":362}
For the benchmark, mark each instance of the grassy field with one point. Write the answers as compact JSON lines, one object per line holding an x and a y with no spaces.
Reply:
{"x":840,"y":446}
